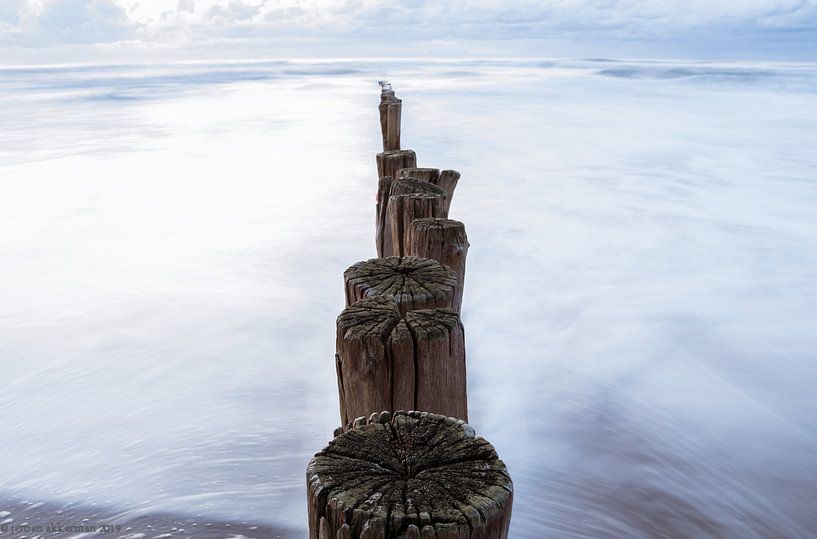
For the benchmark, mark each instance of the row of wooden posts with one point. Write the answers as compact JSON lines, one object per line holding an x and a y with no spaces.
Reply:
{"x":404,"y":463}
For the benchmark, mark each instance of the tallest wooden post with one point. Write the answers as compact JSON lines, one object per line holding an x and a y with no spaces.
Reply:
{"x":391,"y":110}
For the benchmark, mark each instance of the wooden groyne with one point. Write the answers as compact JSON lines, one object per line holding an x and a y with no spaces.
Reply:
{"x":388,"y":472}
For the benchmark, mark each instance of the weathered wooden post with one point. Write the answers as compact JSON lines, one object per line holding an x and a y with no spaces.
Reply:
{"x":390,"y":116}
{"x":402,"y":210}
{"x":443,"y":240}
{"x":446,"y":180}
{"x":388,"y":163}
{"x":409,"y":186}
{"x":410,"y":475}
{"x":436,"y":340}
{"x":424,"y":174}
{"x":414,"y":283}
{"x":385,"y":226}
{"x":385,"y":363}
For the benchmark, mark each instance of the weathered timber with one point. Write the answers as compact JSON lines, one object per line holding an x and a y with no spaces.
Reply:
{"x":409,"y":475}
{"x":383,"y":362}
{"x":381,"y":238}
{"x":390,"y":112}
{"x":430,"y":175}
{"x":396,"y":188}
{"x":402,"y":210}
{"x":388,"y":163}
{"x":443,"y":240}
{"x":363,"y":362}
{"x":446,"y":180}
{"x":409,"y":186}
{"x":414,"y":283}
{"x":438,"y":340}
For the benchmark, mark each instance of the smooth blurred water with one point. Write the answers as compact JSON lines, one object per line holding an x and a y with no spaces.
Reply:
{"x":640,"y":304}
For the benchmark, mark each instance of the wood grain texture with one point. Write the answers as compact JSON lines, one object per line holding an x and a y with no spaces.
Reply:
{"x":410,"y":186}
{"x":388,"y":163}
{"x":409,"y":475}
{"x":402,"y":210}
{"x":439,"y":361}
{"x":443,"y":240}
{"x":390,"y":117}
{"x":383,"y":362}
{"x":389,"y":188}
{"x":446,"y":180}
{"x":414,"y":283}
{"x":382,"y":240}
{"x":425,"y":174}
{"x":362,"y":359}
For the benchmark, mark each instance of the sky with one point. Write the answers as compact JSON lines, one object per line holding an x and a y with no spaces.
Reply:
{"x":52,"y":31}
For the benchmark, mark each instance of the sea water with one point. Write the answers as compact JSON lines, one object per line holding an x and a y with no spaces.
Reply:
{"x":640,"y":303}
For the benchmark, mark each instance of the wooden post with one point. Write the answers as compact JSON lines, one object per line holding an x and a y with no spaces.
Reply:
{"x":408,"y":475}
{"x":410,"y":186}
{"x":443,"y":240}
{"x":383,"y":362}
{"x":390,"y":116}
{"x":386,"y":246}
{"x":414,"y":283}
{"x":388,"y":163}
{"x":438,"y":342}
{"x":447,"y":179}
{"x":382,"y":240}
{"x":365,"y":367}
{"x":430,"y":175}
{"x":401,"y":211}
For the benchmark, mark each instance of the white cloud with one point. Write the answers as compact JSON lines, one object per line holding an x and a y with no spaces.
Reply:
{"x":37,"y":23}
{"x":9,"y":13}
{"x":84,"y":21}
{"x":186,"y":5}
{"x":150,"y":23}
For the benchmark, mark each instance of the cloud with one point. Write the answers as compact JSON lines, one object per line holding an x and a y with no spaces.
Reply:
{"x":10,"y":13}
{"x":38,"y":23}
{"x":84,"y":21}
{"x":186,"y":5}
{"x":149,"y":23}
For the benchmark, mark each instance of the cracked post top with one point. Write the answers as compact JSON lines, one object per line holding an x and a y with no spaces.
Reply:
{"x":409,"y":474}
